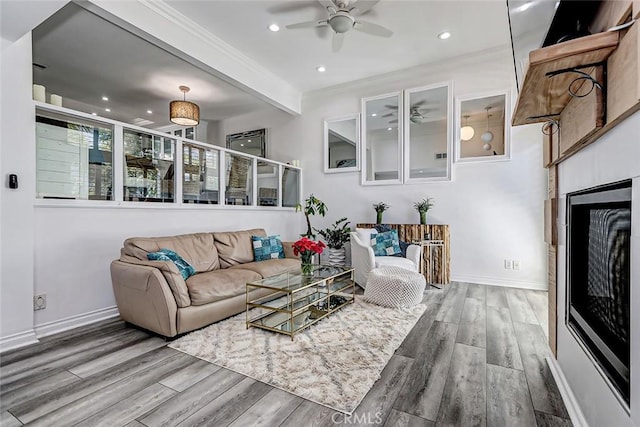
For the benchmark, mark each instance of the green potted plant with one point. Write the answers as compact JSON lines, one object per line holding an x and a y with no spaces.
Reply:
{"x":379,"y":208}
{"x":423,"y":207}
{"x":335,"y":237}
{"x":312,"y":206}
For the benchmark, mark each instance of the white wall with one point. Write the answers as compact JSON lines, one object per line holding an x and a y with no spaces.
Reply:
{"x":17,"y":147}
{"x":494,"y":209}
{"x":74,"y":247}
{"x":614,"y":157}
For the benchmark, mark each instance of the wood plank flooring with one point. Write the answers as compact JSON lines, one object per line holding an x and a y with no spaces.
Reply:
{"x":475,"y":358}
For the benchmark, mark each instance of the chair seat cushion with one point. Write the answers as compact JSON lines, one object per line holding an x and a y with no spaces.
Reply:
{"x":392,"y":261}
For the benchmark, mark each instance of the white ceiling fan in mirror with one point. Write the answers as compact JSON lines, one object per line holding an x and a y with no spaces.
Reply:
{"x":417,"y":111}
{"x":343,"y":17}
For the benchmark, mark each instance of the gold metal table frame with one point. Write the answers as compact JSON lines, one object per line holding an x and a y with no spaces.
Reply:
{"x":299,"y":301}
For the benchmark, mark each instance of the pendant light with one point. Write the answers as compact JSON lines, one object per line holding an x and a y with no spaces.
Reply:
{"x":466,"y":132}
{"x":487,"y":137}
{"x":183,"y":112}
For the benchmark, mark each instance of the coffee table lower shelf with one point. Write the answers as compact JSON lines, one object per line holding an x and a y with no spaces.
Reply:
{"x":281,"y":321}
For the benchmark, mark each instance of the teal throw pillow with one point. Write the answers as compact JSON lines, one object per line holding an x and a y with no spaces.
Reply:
{"x":265,"y":248}
{"x":185,"y":269}
{"x":385,"y":244}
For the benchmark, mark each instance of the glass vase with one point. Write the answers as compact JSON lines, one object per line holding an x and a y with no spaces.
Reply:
{"x":423,"y":217}
{"x":306,"y":265}
{"x":378,"y":217}
{"x":306,"y":268}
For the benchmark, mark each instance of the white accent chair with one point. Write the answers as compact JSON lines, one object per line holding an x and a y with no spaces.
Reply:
{"x":363,"y":260}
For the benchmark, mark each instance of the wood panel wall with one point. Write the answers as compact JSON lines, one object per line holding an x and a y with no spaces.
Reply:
{"x":415,"y":232}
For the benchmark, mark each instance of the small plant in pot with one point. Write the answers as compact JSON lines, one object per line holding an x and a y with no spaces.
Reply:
{"x":336,"y":236}
{"x":379,"y":208}
{"x":423,"y":207}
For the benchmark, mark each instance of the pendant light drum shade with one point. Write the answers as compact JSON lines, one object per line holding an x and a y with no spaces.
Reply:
{"x":183,"y":112}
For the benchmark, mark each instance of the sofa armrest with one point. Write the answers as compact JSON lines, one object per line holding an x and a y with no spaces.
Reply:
{"x":414,"y":253}
{"x":144,"y":297}
{"x":171,"y":274}
{"x":362,"y":259}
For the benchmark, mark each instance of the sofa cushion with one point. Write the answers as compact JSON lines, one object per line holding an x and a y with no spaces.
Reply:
{"x":197,"y":249}
{"x":270,"y":267}
{"x":265,"y":248}
{"x":236,"y":247}
{"x":217,"y":285}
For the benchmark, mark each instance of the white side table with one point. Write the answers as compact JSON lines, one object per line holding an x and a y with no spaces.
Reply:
{"x":429,"y":257}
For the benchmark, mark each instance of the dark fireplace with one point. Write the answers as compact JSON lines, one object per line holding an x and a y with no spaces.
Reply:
{"x":599,"y":277}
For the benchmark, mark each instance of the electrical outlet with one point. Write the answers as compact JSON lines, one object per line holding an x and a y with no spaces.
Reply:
{"x":508,"y":264}
{"x":39,"y":302}
{"x":516,"y":264}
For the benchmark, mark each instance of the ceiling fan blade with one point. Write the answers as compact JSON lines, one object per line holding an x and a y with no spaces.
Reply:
{"x":418,"y":104}
{"x":393,"y":107}
{"x":308,"y":24}
{"x":388,"y":115}
{"x":337,"y":42}
{"x":363,"y":6}
{"x":373,"y":29}
{"x":393,"y":121}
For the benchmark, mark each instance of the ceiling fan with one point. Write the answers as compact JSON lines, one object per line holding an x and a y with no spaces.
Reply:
{"x":342,"y":18}
{"x":416,"y":112}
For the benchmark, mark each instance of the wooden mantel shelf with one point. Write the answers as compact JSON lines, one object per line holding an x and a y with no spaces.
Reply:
{"x":542,"y":95}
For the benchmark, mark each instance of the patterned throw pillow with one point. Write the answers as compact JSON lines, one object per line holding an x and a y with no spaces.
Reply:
{"x":185,"y":269}
{"x":403,"y":245}
{"x":269,"y":247}
{"x":385,"y":244}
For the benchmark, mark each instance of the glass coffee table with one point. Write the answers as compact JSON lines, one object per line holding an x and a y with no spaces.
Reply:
{"x":298,"y":301}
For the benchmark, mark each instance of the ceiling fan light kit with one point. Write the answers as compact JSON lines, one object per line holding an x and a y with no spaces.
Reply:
{"x":183,"y":112}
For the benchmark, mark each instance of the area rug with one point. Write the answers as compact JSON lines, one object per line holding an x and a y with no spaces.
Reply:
{"x":334,"y":363}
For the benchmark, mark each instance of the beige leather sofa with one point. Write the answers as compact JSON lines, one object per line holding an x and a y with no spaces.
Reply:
{"x":154,"y":296}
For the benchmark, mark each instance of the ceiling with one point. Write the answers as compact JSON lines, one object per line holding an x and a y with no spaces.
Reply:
{"x":87,"y":57}
{"x":294,"y":54}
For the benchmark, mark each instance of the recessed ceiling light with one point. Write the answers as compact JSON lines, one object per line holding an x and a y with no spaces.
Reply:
{"x":105,"y":98}
{"x":321,"y":69}
{"x":241,"y":145}
{"x":373,"y":114}
{"x":274,"y":27}
{"x":149,"y":112}
{"x":107,"y":110}
{"x":444,"y":35}
{"x":94,"y":114}
{"x":389,"y":128}
{"x":248,"y":140}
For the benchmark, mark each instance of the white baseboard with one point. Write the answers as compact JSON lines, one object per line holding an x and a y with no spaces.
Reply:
{"x":510,"y":283}
{"x":72,"y":322}
{"x":21,"y":339}
{"x":575,"y":413}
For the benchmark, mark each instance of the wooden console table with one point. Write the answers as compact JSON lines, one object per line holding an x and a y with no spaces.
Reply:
{"x":430,"y":264}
